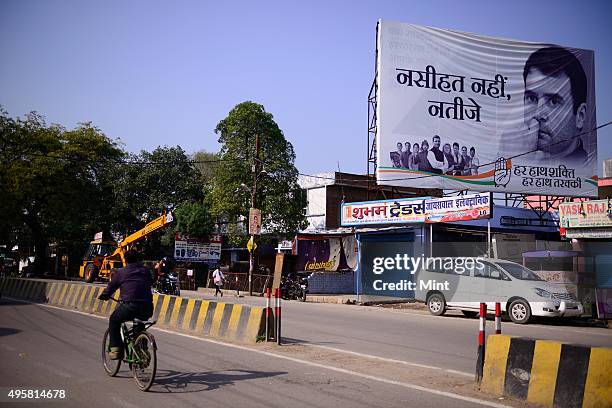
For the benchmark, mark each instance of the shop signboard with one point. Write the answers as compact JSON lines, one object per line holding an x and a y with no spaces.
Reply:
{"x":464,"y":111}
{"x":418,"y":210}
{"x":585,"y":214}
{"x":398,"y":211}
{"x":188,"y":249}
{"x":459,"y":208}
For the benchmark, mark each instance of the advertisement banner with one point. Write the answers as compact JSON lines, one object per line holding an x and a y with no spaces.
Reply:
{"x":254,"y":221}
{"x":413,"y":210}
{"x":459,"y":208}
{"x":585,"y":214}
{"x":464,"y":111}
{"x":194,"y":250}
{"x":326,"y":254}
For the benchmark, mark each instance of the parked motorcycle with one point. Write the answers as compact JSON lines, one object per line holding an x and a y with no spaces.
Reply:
{"x":295,"y":287}
{"x":169,"y":284}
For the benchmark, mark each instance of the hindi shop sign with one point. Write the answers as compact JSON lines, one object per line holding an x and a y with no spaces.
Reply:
{"x":403,"y":210}
{"x":428,"y":210}
{"x":464,"y":111}
{"x":193,"y":250}
{"x":586,"y":214}
{"x":459,"y":208}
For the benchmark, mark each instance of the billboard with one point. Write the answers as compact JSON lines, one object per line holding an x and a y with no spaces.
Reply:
{"x":464,"y":111}
{"x":414,"y":210}
{"x":189,"y":249}
{"x":327,"y":253}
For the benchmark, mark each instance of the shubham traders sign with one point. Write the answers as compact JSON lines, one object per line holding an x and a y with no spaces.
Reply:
{"x":464,"y":111}
{"x":429,"y":210}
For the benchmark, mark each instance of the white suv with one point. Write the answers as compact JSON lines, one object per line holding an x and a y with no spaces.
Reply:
{"x":519,"y":290}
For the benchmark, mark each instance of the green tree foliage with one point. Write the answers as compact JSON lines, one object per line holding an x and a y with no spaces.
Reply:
{"x":152,"y":182}
{"x":278,"y":194}
{"x":205,"y":163}
{"x":54,"y":182}
{"x":61,"y":186}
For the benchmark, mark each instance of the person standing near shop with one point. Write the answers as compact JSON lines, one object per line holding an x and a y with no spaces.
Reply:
{"x":218,"y":279}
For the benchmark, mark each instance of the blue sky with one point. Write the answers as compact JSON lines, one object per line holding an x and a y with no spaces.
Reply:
{"x":165,"y":73}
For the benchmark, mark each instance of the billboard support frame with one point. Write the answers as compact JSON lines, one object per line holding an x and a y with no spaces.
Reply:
{"x":372,"y":124}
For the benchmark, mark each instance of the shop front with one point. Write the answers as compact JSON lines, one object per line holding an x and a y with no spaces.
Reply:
{"x":588,"y":225}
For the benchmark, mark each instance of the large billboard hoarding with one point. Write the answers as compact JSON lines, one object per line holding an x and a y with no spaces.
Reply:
{"x":464,"y":111}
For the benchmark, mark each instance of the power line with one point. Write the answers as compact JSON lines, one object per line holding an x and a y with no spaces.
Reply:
{"x":218,"y":161}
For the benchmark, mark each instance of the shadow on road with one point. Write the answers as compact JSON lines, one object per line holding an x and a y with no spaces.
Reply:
{"x":289,"y":340}
{"x":544,"y":321}
{"x":7,"y":331}
{"x":169,"y":381}
{"x":10,"y":302}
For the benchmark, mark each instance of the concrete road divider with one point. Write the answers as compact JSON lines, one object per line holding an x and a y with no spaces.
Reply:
{"x":548,"y":373}
{"x":215,"y":319}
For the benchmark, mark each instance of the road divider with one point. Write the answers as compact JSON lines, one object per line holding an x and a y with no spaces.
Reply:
{"x":215,"y":319}
{"x":548,"y":373}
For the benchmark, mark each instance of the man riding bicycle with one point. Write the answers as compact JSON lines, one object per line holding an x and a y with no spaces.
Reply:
{"x":134,"y":282}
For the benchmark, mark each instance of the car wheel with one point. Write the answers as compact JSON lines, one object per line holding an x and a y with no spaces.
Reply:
{"x":436,"y":304}
{"x":519,"y":311}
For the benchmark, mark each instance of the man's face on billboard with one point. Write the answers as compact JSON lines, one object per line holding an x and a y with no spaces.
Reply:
{"x":399,"y":147}
{"x":455,"y":149}
{"x":436,"y":142}
{"x":549,"y":111}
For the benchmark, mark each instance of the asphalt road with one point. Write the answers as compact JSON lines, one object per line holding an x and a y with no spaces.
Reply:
{"x":48,"y":348}
{"x":448,"y":342}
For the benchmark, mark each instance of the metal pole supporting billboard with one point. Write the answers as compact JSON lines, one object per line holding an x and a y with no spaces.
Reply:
{"x":431,"y":240}
{"x":489,"y":238}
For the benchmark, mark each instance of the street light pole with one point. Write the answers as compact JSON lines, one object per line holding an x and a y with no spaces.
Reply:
{"x":253,"y":205}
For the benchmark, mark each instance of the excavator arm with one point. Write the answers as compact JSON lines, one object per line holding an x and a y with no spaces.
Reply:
{"x":127,"y":243}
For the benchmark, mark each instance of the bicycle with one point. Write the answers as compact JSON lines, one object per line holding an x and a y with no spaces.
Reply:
{"x":139,"y":351}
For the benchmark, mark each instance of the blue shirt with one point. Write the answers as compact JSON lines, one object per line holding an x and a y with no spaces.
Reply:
{"x":134,"y":281}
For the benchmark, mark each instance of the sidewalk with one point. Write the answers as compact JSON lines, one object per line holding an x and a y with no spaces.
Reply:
{"x":339,"y":299}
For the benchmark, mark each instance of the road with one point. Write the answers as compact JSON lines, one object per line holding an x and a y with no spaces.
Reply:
{"x":51,"y":348}
{"x":448,"y":342}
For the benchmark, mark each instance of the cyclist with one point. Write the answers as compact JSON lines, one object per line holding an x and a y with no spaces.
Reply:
{"x":134,"y":282}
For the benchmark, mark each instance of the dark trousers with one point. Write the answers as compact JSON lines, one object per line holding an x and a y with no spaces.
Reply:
{"x":218,"y":289}
{"x":126,"y":312}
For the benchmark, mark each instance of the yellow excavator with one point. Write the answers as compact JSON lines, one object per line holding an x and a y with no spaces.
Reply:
{"x":103,"y":256}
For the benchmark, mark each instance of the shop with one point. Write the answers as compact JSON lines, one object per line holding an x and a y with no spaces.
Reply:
{"x":588,"y":226}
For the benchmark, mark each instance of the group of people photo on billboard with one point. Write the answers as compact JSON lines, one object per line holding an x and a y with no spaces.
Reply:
{"x":450,"y":159}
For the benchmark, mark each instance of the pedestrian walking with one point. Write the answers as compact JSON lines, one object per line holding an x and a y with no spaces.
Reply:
{"x":218,"y":279}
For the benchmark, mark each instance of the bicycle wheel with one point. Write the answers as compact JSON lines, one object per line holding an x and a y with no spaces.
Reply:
{"x":110,"y":366}
{"x":144,"y":366}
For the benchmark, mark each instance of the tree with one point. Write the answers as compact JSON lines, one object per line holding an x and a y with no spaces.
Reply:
{"x":278,"y":195}
{"x":205,"y":163}
{"x":53,"y":183}
{"x":151,"y":182}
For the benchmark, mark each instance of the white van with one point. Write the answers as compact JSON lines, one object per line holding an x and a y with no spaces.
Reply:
{"x":519,"y":290}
